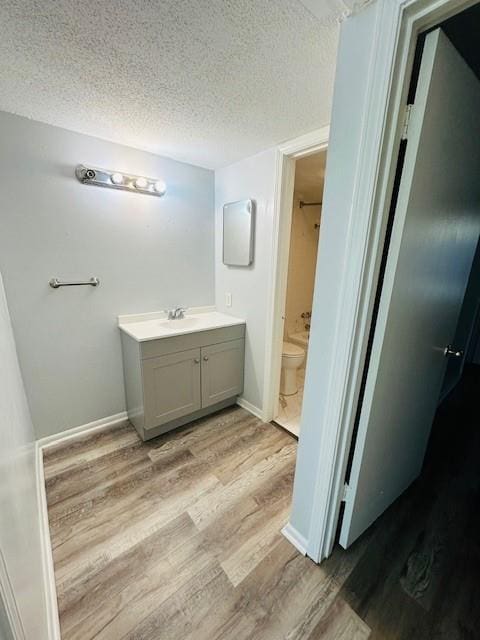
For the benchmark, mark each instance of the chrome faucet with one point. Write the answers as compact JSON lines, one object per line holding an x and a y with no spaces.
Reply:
{"x":176,"y":314}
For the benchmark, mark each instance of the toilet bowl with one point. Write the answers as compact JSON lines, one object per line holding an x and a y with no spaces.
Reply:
{"x":292,"y":358}
{"x":301,"y":339}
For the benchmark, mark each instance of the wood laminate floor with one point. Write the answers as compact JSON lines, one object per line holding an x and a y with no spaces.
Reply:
{"x":179,"y":539}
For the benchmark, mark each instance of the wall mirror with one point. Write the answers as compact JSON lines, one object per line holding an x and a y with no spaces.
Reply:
{"x":238,"y":232}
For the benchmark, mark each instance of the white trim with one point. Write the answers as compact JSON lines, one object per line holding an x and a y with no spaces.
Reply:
{"x":7,"y":596}
{"x":76,"y":432}
{"x":295,"y":538}
{"x":307,"y":144}
{"x":396,"y":29}
{"x":248,"y":406}
{"x":282,"y":217}
{"x":51,"y":605}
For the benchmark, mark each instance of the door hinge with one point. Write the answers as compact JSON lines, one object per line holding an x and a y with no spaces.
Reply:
{"x":345,"y":492}
{"x":406,"y":121}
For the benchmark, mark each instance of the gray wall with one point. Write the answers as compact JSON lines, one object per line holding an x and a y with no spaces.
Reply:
{"x":253,"y":178}
{"x":5,"y":630}
{"x":21,"y":570}
{"x":149,"y":253}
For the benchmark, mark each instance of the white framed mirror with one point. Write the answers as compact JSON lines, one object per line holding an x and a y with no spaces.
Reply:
{"x":238,"y":233}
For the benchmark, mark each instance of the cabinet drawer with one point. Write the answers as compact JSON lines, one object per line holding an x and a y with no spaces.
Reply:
{"x":222,"y":371}
{"x":171,"y":386}
{"x":163,"y":346}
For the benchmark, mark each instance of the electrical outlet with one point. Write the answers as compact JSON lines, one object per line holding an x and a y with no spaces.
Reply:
{"x":228,"y":299}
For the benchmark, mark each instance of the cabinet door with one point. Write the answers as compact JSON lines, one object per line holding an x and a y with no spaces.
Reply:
{"x":222,"y":371}
{"x":171,"y":386}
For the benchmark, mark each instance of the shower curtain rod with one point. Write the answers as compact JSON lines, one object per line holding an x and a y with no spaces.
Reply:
{"x":309,"y":204}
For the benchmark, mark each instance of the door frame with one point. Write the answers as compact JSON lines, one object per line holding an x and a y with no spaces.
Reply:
{"x":397,"y":25}
{"x":286,"y":155}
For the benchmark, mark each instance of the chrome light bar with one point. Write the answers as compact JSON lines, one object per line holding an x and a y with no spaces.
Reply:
{"x":117,"y":180}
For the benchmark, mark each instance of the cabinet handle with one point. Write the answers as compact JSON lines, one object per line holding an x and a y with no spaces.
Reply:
{"x":197,"y":360}
{"x":205,"y":358}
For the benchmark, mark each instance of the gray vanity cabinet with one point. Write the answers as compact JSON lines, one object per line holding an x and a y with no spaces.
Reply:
{"x":222,"y":371}
{"x":171,"y":386}
{"x":171,"y":381}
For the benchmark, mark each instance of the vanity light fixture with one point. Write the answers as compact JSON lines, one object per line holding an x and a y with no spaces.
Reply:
{"x":116,"y":180}
{"x":160,"y":187}
{"x":141,"y":183}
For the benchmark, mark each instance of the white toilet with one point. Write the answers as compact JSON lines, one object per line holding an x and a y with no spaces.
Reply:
{"x":292,"y":358}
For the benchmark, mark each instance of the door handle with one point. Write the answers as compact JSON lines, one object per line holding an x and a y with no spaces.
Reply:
{"x":197,"y":360}
{"x":450,"y":351}
{"x":205,"y":358}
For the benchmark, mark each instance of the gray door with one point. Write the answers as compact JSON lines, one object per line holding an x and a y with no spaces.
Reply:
{"x":435,"y":233}
{"x":171,"y":386}
{"x":222,"y":371}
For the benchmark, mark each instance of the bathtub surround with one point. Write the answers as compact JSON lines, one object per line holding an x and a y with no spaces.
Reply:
{"x":301,"y":265}
{"x":21,"y":572}
{"x":149,"y":254}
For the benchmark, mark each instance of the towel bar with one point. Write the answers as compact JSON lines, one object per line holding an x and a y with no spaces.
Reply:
{"x":55,"y":283}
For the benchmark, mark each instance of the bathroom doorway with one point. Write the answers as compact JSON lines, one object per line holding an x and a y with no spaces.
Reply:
{"x":309,"y":175}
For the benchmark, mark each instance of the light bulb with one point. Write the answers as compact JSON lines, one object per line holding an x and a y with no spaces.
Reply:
{"x":116,"y":178}
{"x":160,"y":187}
{"x":141,"y":183}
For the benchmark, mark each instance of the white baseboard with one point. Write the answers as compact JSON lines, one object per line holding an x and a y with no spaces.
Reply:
{"x":75,"y":432}
{"x":248,"y":406}
{"x":50,"y":589}
{"x":47,"y":557}
{"x":295,"y":538}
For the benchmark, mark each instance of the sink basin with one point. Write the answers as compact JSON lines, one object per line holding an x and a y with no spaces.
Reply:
{"x":148,"y":328}
{"x":180,"y":324}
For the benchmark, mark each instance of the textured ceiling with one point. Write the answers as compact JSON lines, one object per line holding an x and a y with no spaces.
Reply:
{"x":203,"y":81}
{"x":310,"y":176}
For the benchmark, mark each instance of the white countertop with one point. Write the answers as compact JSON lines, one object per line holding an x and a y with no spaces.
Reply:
{"x":152,"y":326}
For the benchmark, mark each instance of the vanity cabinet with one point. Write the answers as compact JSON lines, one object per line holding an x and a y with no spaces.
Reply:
{"x":171,"y":386}
{"x":222,"y":371}
{"x":171,"y":381}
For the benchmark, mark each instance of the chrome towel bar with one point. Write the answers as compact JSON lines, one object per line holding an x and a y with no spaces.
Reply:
{"x":55,"y":283}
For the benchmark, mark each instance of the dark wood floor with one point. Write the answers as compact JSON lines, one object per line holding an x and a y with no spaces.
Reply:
{"x":419,"y":578}
{"x":179,"y":538}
